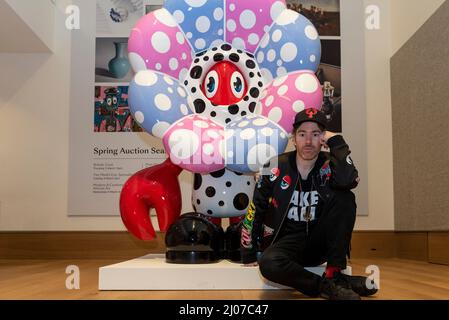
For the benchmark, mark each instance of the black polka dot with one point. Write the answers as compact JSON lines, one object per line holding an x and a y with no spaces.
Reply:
{"x":209,"y":212}
{"x":258,"y":73}
{"x":228,"y":184}
{"x":200,"y":106}
{"x":196,"y":60}
{"x":254,"y":92}
{"x":248,"y":183}
{"x":260,"y":84}
{"x":227,"y":120}
{"x":206,"y":58}
{"x":186,"y":82}
{"x":238,"y":173}
{"x":198,"y":201}
{"x":193,"y":90}
{"x":241,"y":201}
{"x":202,"y":53}
{"x":251,"y":74}
{"x":250,"y":64}
{"x":243,"y":113}
{"x":226,"y":47}
{"x":214,"y":49}
{"x":233,"y":109}
{"x":252,"y":107}
{"x":250,"y":55}
{"x":218,"y":174}
{"x":218,"y":57}
{"x":234,"y":57}
{"x":213,"y":114}
{"x":210,"y":192}
{"x":197,"y":181}
{"x":221,"y":203}
{"x":246,"y":98}
{"x":196,"y":72}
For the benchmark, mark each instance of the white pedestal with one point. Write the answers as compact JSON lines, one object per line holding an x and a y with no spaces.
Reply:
{"x":151,"y":272}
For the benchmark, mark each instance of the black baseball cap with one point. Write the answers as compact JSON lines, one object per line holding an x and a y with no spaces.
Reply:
{"x":310,"y":114}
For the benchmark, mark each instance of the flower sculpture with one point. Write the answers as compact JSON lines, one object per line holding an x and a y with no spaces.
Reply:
{"x":220,"y":83}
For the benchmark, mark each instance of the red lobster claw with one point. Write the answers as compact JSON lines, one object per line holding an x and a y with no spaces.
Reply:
{"x":154,"y":187}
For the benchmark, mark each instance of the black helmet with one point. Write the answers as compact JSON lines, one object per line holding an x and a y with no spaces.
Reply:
{"x":193,"y":239}
{"x":232,"y":241}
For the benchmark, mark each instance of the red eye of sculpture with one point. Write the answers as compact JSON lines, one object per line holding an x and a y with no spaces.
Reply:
{"x":224,"y":84}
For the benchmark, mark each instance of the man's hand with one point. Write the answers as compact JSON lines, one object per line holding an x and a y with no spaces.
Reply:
{"x":326,"y":136}
{"x":252,"y":264}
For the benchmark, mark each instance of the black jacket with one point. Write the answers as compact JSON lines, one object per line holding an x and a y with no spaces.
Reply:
{"x":266,"y":213}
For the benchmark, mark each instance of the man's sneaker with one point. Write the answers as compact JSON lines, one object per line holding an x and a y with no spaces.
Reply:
{"x":361,"y":285}
{"x":337,"y":288}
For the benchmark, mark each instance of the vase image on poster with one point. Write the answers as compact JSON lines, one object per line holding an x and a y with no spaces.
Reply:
{"x":111,"y":61}
{"x":117,"y":17}
{"x":112,"y":113}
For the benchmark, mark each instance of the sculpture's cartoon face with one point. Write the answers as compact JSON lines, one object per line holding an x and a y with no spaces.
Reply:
{"x":224,"y":84}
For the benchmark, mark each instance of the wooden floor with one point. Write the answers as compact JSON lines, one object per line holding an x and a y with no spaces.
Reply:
{"x":36,"y":279}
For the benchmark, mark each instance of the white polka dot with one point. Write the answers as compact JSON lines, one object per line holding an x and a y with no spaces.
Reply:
{"x":269,"y":101}
{"x":213,"y":134}
{"x":160,"y":42}
{"x":277,"y":35}
{"x":283,"y":136}
{"x":260,"y":122}
{"x":266,"y":29}
{"x":180,"y":38}
{"x":165,"y":17}
{"x":158,"y":66}
{"x":247,"y":134}
{"x":266,"y":75}
{"x":208,"y":149}
{"x":312,"y":58}
{"x":253,"y":38}
{"x":162,"y":102}
{"x":281,"y":71}
{"x":231,"y":25}
{"x":271,"y":55}
{"x":289,"y":51}
{"x":184,"y":56}
{"x":279,"y":81}
{"x":202,"y":24}
{"x":259,"y":155}
{"x":265,"y":41}
{"x":183,"y":74}
{"x":145,"y":78}
{"x":173,"y":64}
{"x":287,"y":17}
{"x":140,"y":118}
{"x":189,"y":35}
{"x":260,"y":57}
{"x":160,"y":128}
{"x":306,"y":83}
{"x":200,"y":43}
{"x":168,"y":80}
{"x":200,"y":124}
{"x":276,"y":9}
{"x":220,"y":32}
{"x":183,"y":143}
{"x":196,"y":3}
{"x":184,"y":109}
{"x":218,"y":14}
{"x":243,"y":124}
{"x":275,"y":114}
{"x":181,"y":92}
{"x":311,"y":32}
{"x":298,"y":106}
{"x":238,"y":43}
{"x":216,"y":43}
{"x":267,"y":131}
{"x":169,"y":89}
{"x":231,"y":7}
{"x":136,"y":61}
{"x":282,"y":90}
{"x":279,"y":63}
{"x":179,"y":16}
{"x":247,"y":19}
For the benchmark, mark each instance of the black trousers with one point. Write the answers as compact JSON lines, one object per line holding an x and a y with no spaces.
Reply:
{"x":328,"y":241}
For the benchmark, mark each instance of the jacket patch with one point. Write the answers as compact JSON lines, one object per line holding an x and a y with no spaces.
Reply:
{"x":274,"y":203}
{"x":325,"y":173}
{"x":349,"y":160}
{"x":267,"y":231}
{"x":275,"y":172}
{"x":286,"y":181}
